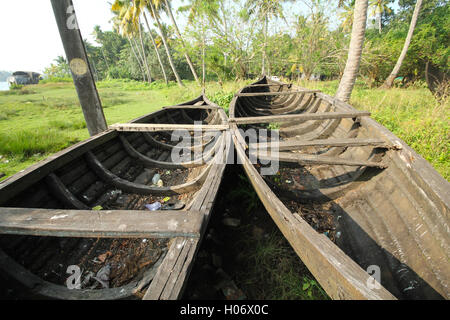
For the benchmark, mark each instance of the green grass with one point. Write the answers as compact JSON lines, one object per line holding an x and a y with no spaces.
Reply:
{"x":271,"y":261}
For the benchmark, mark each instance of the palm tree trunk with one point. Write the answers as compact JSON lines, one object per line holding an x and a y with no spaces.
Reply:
{"x":156,"y":48}
{"x":186,"y":55}
{"x":263,"y":67}
{"x":203,"y":53}
{"x":147,"y":67}
{"x":163,"y":38}
{"x":354,"y":52}
{"x":379,"y":22}
{"x":265,"y":48}
{"x":390,"y":80}
{"x":138,"y":57}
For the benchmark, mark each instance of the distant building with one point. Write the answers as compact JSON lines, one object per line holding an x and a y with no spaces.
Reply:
{"x":24,"y":77}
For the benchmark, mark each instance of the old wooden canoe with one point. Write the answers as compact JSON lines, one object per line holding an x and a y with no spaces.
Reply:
{"x":84,"y":209}
{"x":351,"y":197}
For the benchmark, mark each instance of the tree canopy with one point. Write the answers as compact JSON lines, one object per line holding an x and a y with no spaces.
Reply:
{"x":235,"y":39}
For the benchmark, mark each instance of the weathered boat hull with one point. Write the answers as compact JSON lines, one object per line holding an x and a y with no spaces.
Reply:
{"x":47,"y":222}
{"x":389,"y":207}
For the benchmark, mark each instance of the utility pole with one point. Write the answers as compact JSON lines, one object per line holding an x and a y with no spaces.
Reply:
{"x":79,"y":65}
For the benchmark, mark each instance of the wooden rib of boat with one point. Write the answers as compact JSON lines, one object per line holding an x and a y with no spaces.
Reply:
{"x":47,"y":221}
{"x":350,"y":197}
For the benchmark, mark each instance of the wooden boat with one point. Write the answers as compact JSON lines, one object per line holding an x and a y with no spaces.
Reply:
{"x":352,"y":199}
{"x":48,"y":226}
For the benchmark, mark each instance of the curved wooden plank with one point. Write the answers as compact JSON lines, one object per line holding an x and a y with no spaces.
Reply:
{"x":45,"y":289}
{"x":128,"y":186}
{"x":152,"y":141}
{"x":163,"y":164}
{"x":63,"y":194}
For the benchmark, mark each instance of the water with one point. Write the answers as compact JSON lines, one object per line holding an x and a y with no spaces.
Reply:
{"x":4,"y":86}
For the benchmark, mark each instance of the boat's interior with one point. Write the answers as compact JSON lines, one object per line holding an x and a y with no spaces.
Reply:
{"x":115,"y":171}
{"x":321,"y":181}
{"x":351,"y":180}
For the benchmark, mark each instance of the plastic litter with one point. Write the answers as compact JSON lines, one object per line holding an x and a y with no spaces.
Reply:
{"x":160,"y":183}
{"x":173,"y":205}
{"x":103,"y":276}
{"x":156,"y":178}
{"x":154,"y":206}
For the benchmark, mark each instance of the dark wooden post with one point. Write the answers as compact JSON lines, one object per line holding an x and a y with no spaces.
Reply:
{"x":79,"y":65}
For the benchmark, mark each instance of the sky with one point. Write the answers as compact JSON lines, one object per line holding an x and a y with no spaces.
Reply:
{"x":29,"y":37}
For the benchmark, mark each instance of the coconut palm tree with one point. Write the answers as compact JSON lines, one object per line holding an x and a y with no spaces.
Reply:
{"x":118,"y":8}
{"x":154,"y":6}
{"x":390,"y":80}
{"x":139,"y":9}
{"x":378,"y":7}
{"x":125,"y":23}
{"x":264,"y":11}
{"x":186,"y":55}
{"x":203,"y":10}
{"x":354,"y":52}
{"x":346,"y":14}
{"x":156,"y":49}
{"x":147,"y":66}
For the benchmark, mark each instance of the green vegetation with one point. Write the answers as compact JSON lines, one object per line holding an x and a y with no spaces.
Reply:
{"x":42,"y":119}
{"x":232,"y":40}
{"x":39,"y":120}
{"x":272,"y":261}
